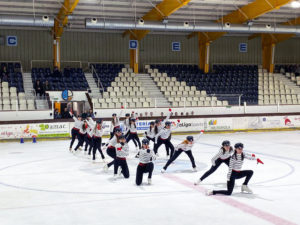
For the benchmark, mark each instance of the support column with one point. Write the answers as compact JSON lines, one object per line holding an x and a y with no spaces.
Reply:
{"x":134,"y":60}
{"x":56,"y":52}
{"x":204,"y":46}
{"x":268,"y":52}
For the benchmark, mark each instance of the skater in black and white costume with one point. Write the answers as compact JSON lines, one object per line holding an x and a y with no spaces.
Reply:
{"x":122,"y":151}
{"x":235,"y":172}
{"x":75,"y":130}
{"x":186,"y":147}
{"x":97,"y":140}
{"x":133,"y":133}
{"x":115,"y":123}
{"x":127,"y":126}
{"x":163,"y":137}
{"x":146,"y":157}
{"x":223,"y":156}
{"x":111,"y":149}
{"x":89,"y":135}
{"x":150,"y":133}
{"x":82,"y":133}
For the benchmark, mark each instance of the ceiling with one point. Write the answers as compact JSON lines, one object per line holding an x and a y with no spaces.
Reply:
{"x":195,"y":10}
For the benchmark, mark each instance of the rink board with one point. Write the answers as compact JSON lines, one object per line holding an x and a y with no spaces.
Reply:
{"x":57,"y":129}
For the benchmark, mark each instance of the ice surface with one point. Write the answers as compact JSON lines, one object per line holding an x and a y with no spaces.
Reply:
{"x":44,"y":183}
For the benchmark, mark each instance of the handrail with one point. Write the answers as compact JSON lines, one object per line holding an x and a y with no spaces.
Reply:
{"x":98,"y":78}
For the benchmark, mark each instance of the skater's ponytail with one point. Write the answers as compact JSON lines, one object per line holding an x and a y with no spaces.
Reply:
{"x":234,"y":155}
{"x":156,"y":129}
{"x":185,"y":142}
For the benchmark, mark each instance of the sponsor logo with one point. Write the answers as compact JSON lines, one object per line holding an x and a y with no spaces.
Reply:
{"x":287,"y":122}
{"x":212,"y":122}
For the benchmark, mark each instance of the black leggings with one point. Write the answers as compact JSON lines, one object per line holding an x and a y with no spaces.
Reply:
{"x":141,"y":169}
{"x":80,"y":141}
{"x":235,"y":175}
{"x":88,"y":142}
{"x":97,"y":145}
{"x":151,"y":139}
{"x":134,"y":136}
{"x":212,"y":169}
{"x":74,"y":134}
{"x":111,"y":151}
{"x":168,"y":145}
{"x":123,"y":164}
{"x":134,"y":141}
{"x":177,"y":153}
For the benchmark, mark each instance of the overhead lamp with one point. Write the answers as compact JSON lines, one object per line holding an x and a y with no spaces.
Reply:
{"x":186,"y":24}
{"x":46,"y":18}
{"x":94,"y":20}
{"x":227,"y":25}
{"x":268,"y":26}
{"x":141,"y":21}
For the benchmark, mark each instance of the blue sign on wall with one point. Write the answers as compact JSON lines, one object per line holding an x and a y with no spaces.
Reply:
{"x":243,"y":47}
{"x":176,"y":47}
{"x":133,"y":44}
{"x":11,"y":41}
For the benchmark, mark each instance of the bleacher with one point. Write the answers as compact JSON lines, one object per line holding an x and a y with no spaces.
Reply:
{"x":71,"y":79}
{"x":11,"y":88}
{"x":224,"y":80}
{"x":122,"y":89}
{"x":106,"y":73}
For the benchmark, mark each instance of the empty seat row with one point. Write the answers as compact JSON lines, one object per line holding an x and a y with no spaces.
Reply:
{"x":126,"y":84}
{"x":117,"y":89}
{"x":112,"y":105}
{"x":199,"y":103}
{"x":281,"y":101}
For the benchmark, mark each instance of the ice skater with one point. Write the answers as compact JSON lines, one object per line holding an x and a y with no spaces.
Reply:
{"x":111,"y":149}
{"x":133,"y":133}
{"x":97,"y":140}
{"x":163,"y":137}
{"x":115,"y":123}
{"x":127,"y":125}
{"x":89,"y":136}
{"x":75,"y":130}
{"x":235,"y":172}
{"x":120,"y":163}
{"x":186,"y":147}
{"x":150,"y":133}
{"x":146,"y":157}
{"x":82,"y":133}
{"x":223,"y":156}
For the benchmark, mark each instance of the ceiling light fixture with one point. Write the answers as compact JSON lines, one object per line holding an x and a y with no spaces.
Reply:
{"x":295,"y":4}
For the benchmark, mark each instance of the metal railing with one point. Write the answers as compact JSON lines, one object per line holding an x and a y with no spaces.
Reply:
{"x":99,"y":83}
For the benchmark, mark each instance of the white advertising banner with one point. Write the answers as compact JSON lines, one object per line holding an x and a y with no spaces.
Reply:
{"x":37,"y":130}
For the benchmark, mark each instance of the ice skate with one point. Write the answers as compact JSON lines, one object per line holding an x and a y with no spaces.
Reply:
{"x":85,"y":152}
{"x":119,"y":171}
{"x":162,"y":170}
{"x":80,"y":148}
{"x":105,"y":168}
{"x":93,"y":160}
{"x":115,"y":176}
{"x":197,"y":182}
{"x":149,"y":181}
{"x":209,"y":192}
{"x":70,"y":149}
{"x":157,"y":155}
{"x":195,"y":169}
{"x":246,"y":189}
{"x":103,"y":160}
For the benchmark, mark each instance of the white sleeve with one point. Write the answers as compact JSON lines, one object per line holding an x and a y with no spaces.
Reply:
{"x":230,"y":168}
{"x":173,"y":128}
{"x":213,"y":160}
{"x":167,"y":118}
{"x":249,"y":156}
{"x":91,"y":123}
{"x":158,"y":134}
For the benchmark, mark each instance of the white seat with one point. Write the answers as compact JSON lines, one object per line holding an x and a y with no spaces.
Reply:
{"x":132,"y":105}
{"x":146,"y":104}
{"x":225,"y":103}
{"x":97,"y":105}
{"x":200,"y":103}
{"x":23,"y":107}
{"x":31,"y":107}
{"x":111,"y":105}
{"x":6,"y":107}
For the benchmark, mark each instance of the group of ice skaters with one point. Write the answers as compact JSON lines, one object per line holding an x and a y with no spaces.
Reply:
{"x":89,"y":131}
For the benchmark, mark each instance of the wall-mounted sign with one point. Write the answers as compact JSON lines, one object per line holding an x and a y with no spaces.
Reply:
{"x":11,"y":40}
{"x":176,"y":47}
{"x":243,"y":47}
{"x":133,"y":44}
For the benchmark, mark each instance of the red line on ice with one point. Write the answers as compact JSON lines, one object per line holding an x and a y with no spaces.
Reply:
{"x":229,"y":201}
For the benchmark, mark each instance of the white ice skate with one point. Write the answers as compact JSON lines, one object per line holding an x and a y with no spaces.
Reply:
{"x":197,"y":182}
{"x":105,"y":168}
{"x":162,"y":170}
{"x":246,"y":189}
{"x":149,"y":181}
{"x":195,"y":169}
{"x":70,"y":149}
{"x":119,"y":171}
{"x":93,"y":160}
{"x":80,"y":148}
{"x":157,"y":155}
{"x":209,"y":192}
{"x":115,"y":176}
{"x":103,"y":160}
{"x":85,"y":152}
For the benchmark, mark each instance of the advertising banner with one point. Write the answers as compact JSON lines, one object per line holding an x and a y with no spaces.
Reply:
{"x":34,"y":130}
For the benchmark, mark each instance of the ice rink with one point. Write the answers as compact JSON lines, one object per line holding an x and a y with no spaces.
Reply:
{"x":44,"y":183}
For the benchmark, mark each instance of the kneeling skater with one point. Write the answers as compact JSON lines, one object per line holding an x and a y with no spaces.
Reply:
{"x":122,"y":151}
{"x":185,"y":146}
{"x":235,"y":172}
{"x":223,"y":156}
{"x":146,"y":156}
